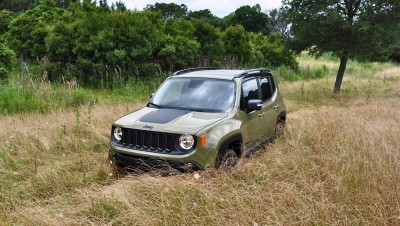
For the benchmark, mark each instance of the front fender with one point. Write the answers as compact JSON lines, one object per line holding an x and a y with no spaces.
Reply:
{"x":219,"y":133}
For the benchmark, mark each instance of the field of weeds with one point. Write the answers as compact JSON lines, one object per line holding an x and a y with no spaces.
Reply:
{"x":338,"y":163}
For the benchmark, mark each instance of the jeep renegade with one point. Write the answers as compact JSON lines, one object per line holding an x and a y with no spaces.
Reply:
{"x":199,"y":118}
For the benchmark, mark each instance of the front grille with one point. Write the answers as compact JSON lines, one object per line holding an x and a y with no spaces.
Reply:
{"x":148,"y":140}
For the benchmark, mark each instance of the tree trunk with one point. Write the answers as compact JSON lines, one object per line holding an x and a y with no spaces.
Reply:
{"x":342,"y":68}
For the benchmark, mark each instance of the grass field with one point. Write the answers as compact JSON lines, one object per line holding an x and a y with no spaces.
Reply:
{"x":338,"y":163}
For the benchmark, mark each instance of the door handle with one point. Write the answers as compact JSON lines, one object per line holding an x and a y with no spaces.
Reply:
{"x":261,"y":115}
{"x":276,"y":107}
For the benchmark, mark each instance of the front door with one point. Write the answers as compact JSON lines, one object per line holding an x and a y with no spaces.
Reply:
{"x":252,"y":129}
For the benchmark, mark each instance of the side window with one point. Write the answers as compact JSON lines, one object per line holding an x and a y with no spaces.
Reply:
{"x":249,"y":92}
{"x":267,"y":88}
{"x":273,"y":84}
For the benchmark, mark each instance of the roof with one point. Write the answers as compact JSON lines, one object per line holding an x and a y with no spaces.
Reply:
{"x":218,"y":73}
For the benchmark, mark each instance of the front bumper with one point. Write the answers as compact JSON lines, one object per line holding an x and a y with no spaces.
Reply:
{"x":200,"y":158}
{"x":129,"y":162}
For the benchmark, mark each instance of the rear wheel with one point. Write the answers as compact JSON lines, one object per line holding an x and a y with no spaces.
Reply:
{"x":228,"y":159}
{"x":279,"y":128}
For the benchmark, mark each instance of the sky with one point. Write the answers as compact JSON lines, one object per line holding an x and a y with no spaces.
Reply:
{"x":219,"y":8}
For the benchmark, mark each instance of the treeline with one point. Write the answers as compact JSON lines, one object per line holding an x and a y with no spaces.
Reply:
{"x":102,"y":45}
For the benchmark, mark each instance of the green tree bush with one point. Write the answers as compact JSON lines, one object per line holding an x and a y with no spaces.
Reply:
{"x":28,"y":31}
{"x":102,"y":46}
{"x":5,"y":19}
{"x":206,"y":15}
{"x":105,"y":46}
{"x":211,"y":44}
{"x":180,"y":47}
{"x":169,"y":10}
{"x":7,"y":57}
{"x":251,"y":18}
{"x":237,"y":46}
{"x":274,"y":50}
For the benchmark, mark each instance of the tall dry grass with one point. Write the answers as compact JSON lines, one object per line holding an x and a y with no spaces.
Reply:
{"x":338,"y":163}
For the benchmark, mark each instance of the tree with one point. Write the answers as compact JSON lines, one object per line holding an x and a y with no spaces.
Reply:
{"x":278,"y":23}
{"x":251,"y":18}
{"x":211,"y":44}
{"x":29,"y":29}
{"x":64,"y":3}
{"x":17,"y":5}
{"x":119,"y":6}
{"x":348,"y":28}
{"x":237,"y":46}
{"x":5,"y":19}
{"x":6,"y":58}
{"x":394,"y":50}
{"x":169,"y":10}
{"x":206,"y":15}
{"x":99,"y":47}
{"x":273,"y":50}
{"x":179,"y":48}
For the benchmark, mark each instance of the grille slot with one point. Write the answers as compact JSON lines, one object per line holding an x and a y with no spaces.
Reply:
{"x":149,"y":140}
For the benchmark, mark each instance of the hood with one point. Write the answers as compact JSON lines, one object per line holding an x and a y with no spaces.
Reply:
{"x":169,"y":120}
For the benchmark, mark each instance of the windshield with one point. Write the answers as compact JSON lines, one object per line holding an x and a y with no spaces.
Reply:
{"x":196,"y":94}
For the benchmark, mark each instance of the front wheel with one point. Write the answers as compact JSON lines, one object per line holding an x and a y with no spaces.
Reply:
{"x":228,"y":159}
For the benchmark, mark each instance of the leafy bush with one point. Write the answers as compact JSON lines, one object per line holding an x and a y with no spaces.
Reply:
{"x":6,"y":59}
{"x":286,"y":73}
{"x":179,"y":46}
{"x":29,"y":29}
{"x":99,"y":46}
{"x":237,"y":46}
{"x":102,"y":47}
{"x":274,"y":50}
{"x":321,"y":72}
{"x":306,"y":73}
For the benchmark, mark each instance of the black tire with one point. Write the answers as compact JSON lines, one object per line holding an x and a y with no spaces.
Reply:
{"x":227,"y":159}
{"x":279,"y":128}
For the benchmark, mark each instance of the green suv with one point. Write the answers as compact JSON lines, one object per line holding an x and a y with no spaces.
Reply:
{"x":199,"y":118}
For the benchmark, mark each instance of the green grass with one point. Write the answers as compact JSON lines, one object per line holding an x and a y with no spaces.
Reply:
{"x":336,"y":164}
{"x":26,"y":91}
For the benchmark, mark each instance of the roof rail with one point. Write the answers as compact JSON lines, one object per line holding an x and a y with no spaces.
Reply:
{"x":194,"y":69}
{"x":251,"y":71}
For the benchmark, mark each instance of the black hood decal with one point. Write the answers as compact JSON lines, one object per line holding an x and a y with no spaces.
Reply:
{"x":163,"y":116}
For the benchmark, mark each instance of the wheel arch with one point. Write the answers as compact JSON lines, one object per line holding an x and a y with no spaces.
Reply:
{"x":233,"y":142}
{"x":281,"y":117}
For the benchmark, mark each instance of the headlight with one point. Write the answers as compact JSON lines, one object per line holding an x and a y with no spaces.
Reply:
{"x":186,"y":141}
{"x":118,"y":133}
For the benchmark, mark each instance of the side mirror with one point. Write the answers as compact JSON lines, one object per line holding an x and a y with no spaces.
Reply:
{"x":151,"y":95}
{"x":254,"y":105}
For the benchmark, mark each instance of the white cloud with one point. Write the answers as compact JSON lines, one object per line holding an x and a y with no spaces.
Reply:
{"x":219,"y":8}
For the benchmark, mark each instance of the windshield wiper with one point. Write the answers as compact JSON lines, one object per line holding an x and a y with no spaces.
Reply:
{"x":155,"y":105}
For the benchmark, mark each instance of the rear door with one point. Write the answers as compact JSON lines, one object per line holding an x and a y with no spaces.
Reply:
{"x":269,"y":108}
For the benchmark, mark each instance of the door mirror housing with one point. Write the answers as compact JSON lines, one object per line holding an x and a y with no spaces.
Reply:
{"x":254,"y":105}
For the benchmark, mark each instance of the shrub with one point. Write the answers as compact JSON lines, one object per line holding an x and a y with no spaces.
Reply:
{"x":7,"y":57}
